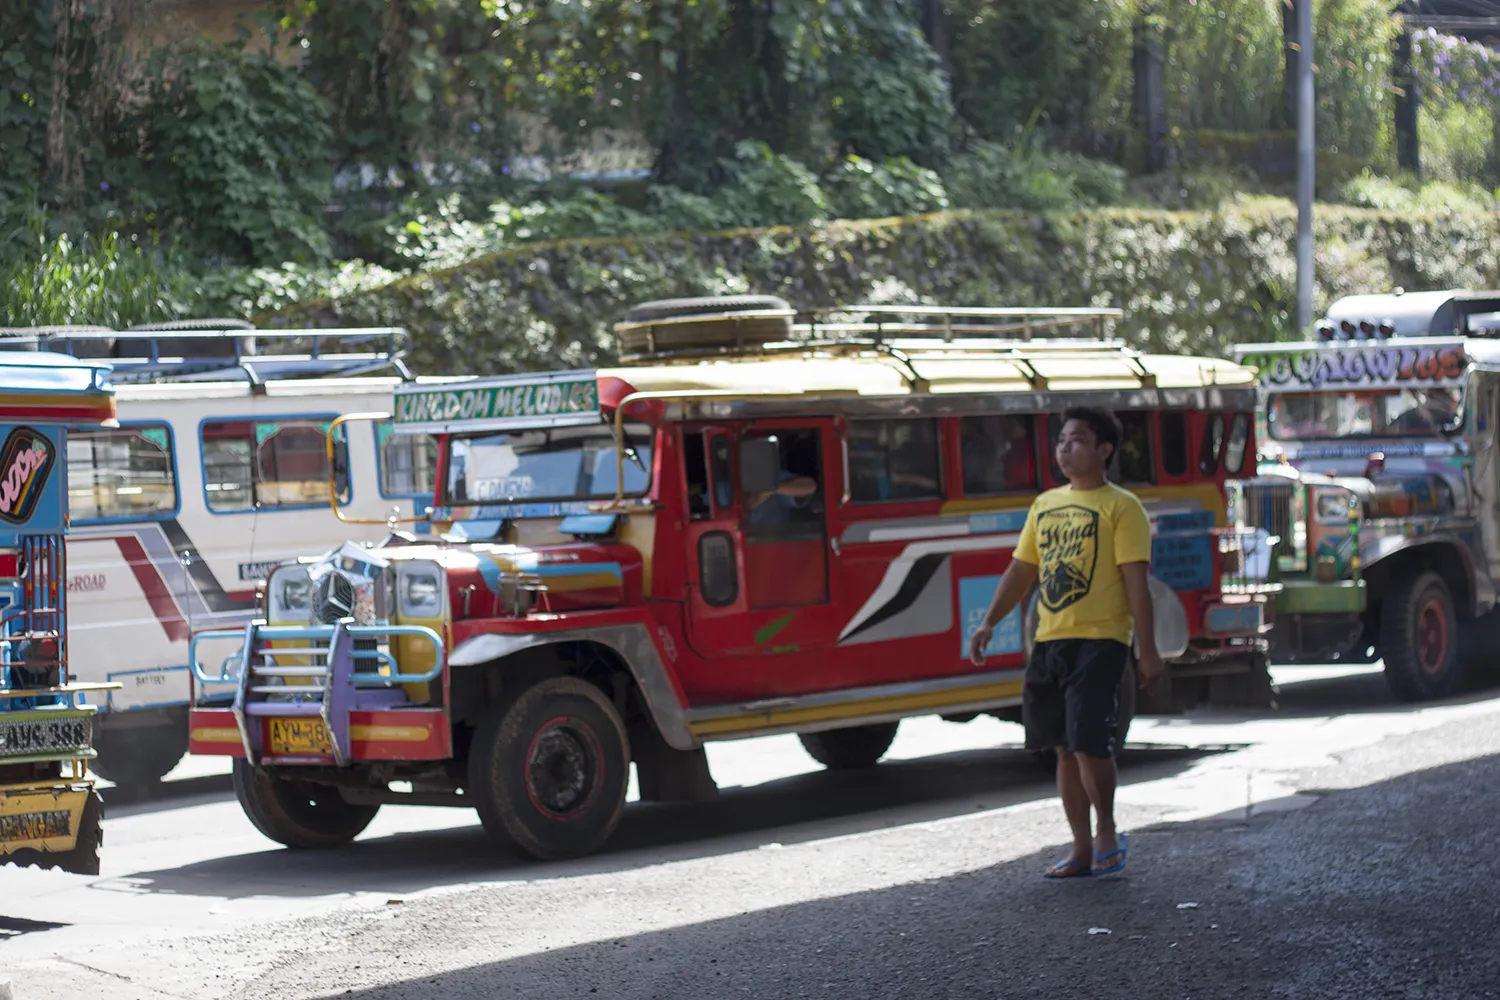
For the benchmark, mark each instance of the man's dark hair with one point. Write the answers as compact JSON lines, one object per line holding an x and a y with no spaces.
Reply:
{"x":1104,"y":424}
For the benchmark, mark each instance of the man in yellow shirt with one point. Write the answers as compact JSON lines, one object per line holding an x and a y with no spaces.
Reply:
{"x":1088,"y":547}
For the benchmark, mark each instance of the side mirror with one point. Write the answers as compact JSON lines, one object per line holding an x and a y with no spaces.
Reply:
{"x":760,"y":465}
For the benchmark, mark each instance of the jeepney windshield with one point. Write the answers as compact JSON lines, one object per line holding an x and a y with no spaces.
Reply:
{"x":552,"y":464}
{"x":1364,"y":413}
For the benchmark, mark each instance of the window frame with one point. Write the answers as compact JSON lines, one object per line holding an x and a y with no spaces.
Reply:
{"x":652,"y":441}
{"x":1037,"y":460}
{"x":254,"y":507}
{"x":847,"y":441}
{"x":1160,"y":458}
{"x":437,"y":444}
{"x":176,"y":474}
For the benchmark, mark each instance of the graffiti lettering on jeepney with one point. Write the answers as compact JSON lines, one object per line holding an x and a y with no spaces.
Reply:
{"x":25,"y":460}
{"x":1359,"y":366}
{"x":495,"y":402}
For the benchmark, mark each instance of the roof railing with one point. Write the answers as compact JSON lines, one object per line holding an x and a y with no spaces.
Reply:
{"x":228,"y":351}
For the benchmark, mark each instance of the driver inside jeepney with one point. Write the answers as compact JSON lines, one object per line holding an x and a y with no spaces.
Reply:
{"x":1363,"y":413}
{"x":796,"y":491}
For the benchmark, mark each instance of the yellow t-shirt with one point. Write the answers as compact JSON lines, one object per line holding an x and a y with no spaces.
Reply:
{"x":1078,"y":539}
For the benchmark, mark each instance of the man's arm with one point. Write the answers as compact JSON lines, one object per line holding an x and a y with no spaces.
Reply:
{"x":1018,"y":578}
{"x":1148,"y":665}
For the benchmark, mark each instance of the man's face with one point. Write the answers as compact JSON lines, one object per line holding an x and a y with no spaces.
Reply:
{"x":1079,"y":452}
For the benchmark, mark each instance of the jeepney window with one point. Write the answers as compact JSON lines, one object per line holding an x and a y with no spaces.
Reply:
{"x":894,"y":460}
{"x":1131,"y":462}
{"x":554,"y":464}
{"x":408,"y":463}
{"x":695,"y":469}
{"x":1239,"y":441}
{"x":125,"y":473}
{"x":1213,"y":445}
{"x":249,"y":464}
{"x":1363,"y":413}
{"x":999,"y":454}
{"x":722,"y":469}
{"x":1174,"y":444}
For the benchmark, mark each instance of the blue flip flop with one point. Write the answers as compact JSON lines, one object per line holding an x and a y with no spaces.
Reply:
{"x":1068,"y":868}
{"x":1118,"y":866}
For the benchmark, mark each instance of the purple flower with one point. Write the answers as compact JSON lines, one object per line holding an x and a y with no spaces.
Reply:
{"x":474,"y":128}
{"x":104,"y":185}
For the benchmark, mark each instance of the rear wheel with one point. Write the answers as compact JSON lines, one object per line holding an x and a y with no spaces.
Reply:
{"x":138,"y":756}
{"x":850,"y":749}
{"x":549,"y":771}
{"x":298,"y":813}
{"x":1419,"y":639}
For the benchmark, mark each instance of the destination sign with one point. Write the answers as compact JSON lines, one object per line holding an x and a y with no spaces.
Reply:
{"x":1300,"y":366}
{"x":522,"y":401}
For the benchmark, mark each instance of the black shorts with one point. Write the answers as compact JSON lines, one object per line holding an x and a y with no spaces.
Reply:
{"x":1072,"y":695}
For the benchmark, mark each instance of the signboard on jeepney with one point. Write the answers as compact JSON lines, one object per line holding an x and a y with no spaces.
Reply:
{"x":1416,"y":362}
{"x":553,"y":399}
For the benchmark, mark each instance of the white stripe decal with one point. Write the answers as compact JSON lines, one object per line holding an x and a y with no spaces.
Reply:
{"x":895,"y":573}
{"x":957,"y":529}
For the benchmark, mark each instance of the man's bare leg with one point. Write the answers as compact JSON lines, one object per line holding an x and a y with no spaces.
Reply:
{"x":1075,"y":800}
{"x":1098,"y":777}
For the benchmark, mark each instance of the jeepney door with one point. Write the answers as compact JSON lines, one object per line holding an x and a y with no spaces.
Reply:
{"x":771,"y":541}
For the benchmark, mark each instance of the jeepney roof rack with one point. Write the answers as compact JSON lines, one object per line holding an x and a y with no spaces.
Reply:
{"x":218,"y":350}
{"x":903,"y":333}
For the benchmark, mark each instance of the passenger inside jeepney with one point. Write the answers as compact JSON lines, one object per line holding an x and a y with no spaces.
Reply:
{"x":795,"y":497}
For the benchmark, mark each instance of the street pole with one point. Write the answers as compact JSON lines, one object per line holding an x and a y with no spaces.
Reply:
{"x":1306,"y":162}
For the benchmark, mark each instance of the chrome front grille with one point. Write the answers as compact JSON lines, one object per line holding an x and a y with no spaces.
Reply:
{"x":1269,"y":504}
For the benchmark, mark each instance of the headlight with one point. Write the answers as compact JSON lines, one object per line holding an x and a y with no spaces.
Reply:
{"x":289,"y":594}
{"x":420,"y":588}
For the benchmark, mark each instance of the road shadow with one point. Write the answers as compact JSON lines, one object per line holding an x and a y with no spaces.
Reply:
{"x":128,"y":800}
{"x":1266,"y":908}
{"x":790,"y":810}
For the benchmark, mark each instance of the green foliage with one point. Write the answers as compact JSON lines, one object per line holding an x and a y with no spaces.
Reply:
{"x":233,"y":156}
{"x":1068,"y":61}
{"x":1403,"y":195}
{"x":1188,"y":282}
{"x":864,"y":189}
{"x":1457,"y":141}
{"x":112,"y":281}
{"x":1027,"y":176}
{"x":767,"y":188}
{"x":1352,"y":61}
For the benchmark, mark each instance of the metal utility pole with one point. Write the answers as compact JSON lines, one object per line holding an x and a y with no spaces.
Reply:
{"x":1306,"y":164}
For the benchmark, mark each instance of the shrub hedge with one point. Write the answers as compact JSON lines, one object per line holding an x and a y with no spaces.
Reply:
{"x":1188,"y":282}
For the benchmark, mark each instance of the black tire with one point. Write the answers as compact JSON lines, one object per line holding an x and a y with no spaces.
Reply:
{"x":850,"y":749}
{"x":1419,"y":639}
{"x":137,"y":758}
{"x":706,"y":306}
{"x":192,"y":325}
{"x":298,"y":813}
{"x":549,"y":771}
{"x":656,"y":337}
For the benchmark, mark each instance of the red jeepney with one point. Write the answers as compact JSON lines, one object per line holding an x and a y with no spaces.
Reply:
{"x":759,"y":522}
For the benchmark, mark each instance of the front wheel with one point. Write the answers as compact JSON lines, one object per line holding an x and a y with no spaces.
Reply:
{"x":298,"y":813}
{"x":1419,"y":639}
{"x":850,"y":749}
{"x":549,"y":771}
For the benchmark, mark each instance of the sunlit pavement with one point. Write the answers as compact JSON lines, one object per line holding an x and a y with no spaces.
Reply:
{"x":186,"y":867}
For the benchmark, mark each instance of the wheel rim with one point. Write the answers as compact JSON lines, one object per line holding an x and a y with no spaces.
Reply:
{"x":1432,"y":638}
{"x":562,"y":768}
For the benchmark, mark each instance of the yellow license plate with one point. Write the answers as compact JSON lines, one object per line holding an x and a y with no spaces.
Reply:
{"x":289,"y":736}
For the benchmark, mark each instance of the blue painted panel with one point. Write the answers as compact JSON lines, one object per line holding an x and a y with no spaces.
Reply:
{"x":33,"y":481}
{"x":974,"y":596}
{"x":989,"y":524}
{"x":1182,"y":551}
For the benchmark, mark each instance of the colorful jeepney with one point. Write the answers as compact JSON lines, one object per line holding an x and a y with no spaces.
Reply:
{"x":760,"y":522}
{"x":49,"y":811}
{"x":1380,"y":480}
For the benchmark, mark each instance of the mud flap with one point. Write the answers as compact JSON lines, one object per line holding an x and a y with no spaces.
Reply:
{"x":667,"y":775}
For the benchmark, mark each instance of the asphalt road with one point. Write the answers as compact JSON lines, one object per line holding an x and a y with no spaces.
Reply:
{"x":1340,"y":846}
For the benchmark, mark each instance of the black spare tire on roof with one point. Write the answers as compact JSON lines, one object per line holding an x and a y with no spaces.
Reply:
{"x":712,"y":323}
{"x":180,"y":347}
